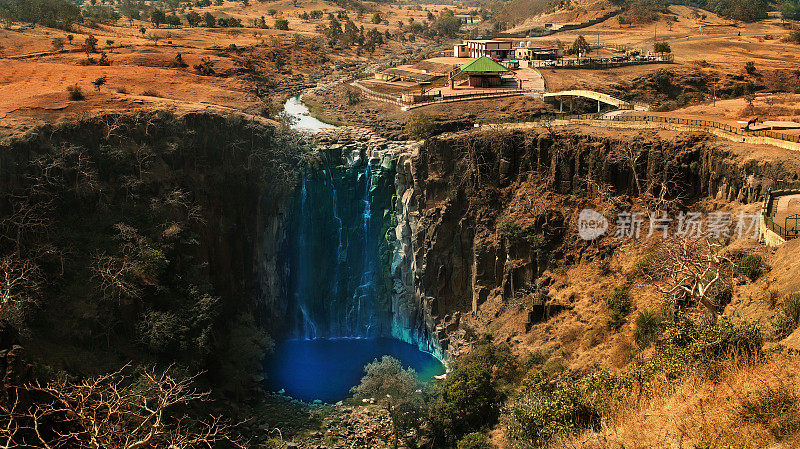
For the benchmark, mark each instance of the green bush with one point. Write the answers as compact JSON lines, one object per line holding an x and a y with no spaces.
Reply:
{"x":535,"y":418}
{"x":689,"y":345}
{"x":281,"y":24}
{"x":514,"y":232}
{"x":751,"y":266}
{"x":469,"y":399}
{"x":648,"y":325}
{"x":619,"y":306}
{"x":474,"y":440}
{"x":643,"y":266}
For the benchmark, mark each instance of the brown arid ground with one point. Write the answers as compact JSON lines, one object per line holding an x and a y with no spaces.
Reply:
{"x":707,"y":62}
{"x":578,"y":338}
{"x":254,"y":68}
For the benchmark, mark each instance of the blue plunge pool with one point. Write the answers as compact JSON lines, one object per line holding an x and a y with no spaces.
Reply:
{"x":327,"y":369}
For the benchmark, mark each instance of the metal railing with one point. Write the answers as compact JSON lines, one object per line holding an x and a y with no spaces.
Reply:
{"x":768,"y":211}
{"x":705,"y":124}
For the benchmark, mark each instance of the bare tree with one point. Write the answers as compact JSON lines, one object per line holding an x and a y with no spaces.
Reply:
{"x":116,"y":276}
{"x":690,"y":270}
{"x":630,"y":154}
{"x":20,"y":281}
{"x":114,"y":411}
{"x":663,"y":190}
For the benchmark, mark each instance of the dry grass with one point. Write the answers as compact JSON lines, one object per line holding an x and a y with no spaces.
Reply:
{"x":752,"y":406}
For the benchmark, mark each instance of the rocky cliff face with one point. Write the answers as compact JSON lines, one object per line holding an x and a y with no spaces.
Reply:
{"x":407,"y":236}
{"x":496,"y":208}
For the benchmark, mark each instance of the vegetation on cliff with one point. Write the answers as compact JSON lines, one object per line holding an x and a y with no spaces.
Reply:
{"x":131,"y":239}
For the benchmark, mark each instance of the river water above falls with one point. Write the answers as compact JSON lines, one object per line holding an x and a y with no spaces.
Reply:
{"x":347,"y":282}
{"x":303,"y":121}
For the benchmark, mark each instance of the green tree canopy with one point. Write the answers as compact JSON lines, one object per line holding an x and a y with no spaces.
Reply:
{"x":392,"y":386}
{"x":790,"y":9}
{"x":158,"y":17}
{"x":662,"y":47}
{"x":580,"y":46}
{"x":51,"y":13}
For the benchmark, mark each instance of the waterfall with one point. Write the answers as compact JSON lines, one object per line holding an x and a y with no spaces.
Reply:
{"x":350,"y":252}
{"x":364,"y":290}
{"x":334,"y":265}
{"x":308,"y":329}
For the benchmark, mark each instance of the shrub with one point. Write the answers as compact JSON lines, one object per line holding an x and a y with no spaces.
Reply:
{"x":90,"y":44}
{"x":514,"y":232}
{"x":777,"y":409}
{"x":535,"y":418}
{"x":420,"y":126}
{"x":468,"y":399}
{"x":100,"y":82}
{"x":536,"y":358}
{"x":205,"y":67}
{"x":75,"y":93}
{"x":643,"y":266}
{"x":791,"y":307}
{"x":281,"y":24}
{"x":104,"y":61}
{"x":648,"y":325}
{"x":699,"y":345}
{"x":353,"y":97}
{"x":474,"y":440}
{"x":751,"y":266}
{"x":393,"y":387}
{"x":619,"y":306}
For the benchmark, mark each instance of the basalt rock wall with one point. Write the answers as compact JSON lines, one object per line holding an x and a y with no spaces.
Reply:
{"x":495,"y":208}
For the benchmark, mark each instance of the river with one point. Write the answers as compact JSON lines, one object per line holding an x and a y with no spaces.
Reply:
{"x":303,"y":121}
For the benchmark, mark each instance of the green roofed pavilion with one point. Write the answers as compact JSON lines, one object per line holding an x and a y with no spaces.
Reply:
{"x":483,"y":64}
{"x":482,"y":72}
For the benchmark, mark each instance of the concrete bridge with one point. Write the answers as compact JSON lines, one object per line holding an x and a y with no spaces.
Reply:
{"x":597,"y":96}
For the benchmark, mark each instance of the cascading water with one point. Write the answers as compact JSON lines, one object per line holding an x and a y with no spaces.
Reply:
{"x":338,"y":251}
{"x":348,"y":273}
